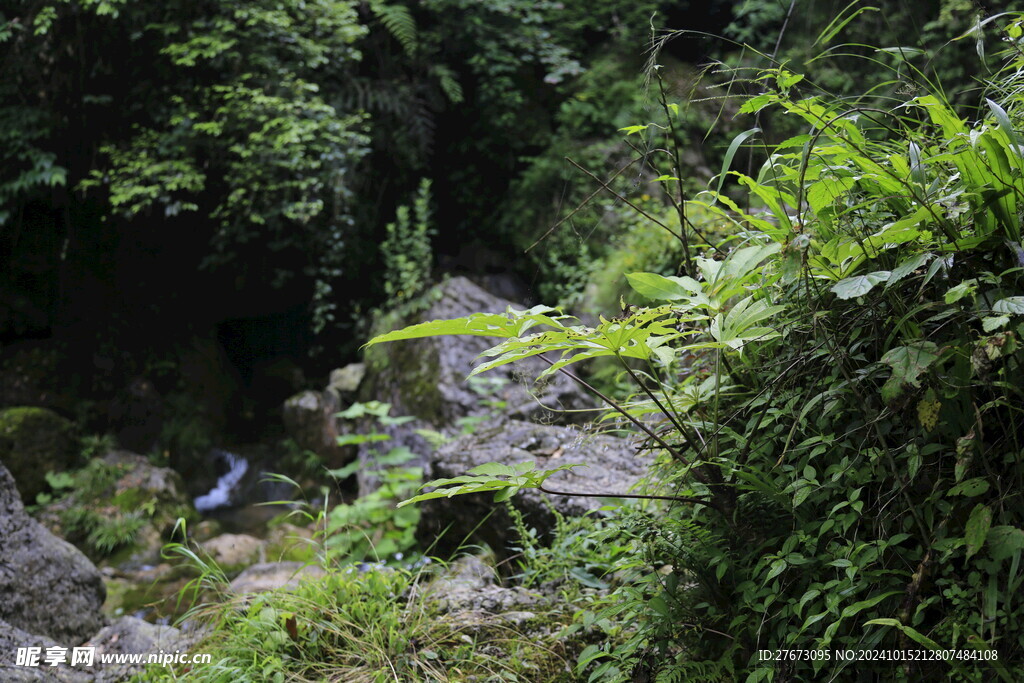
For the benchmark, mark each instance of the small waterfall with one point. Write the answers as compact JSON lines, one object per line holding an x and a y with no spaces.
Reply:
{"x":220,"y":495}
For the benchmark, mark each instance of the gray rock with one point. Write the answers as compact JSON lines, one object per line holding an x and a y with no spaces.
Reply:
{"x":271,"y":576}
{"x":610,"y":466}
{"x":47,"y":586}
{"x":426,"y":378}
{"x":346,"y":380}
{"x":470,"y":584}
{"x":233,"y":551}
{"x":12,"y":638}
{"x":309,"y":420}
{"x":130,"y":635}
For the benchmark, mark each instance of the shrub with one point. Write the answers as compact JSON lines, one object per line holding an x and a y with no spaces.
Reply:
{"x":834,"y":399}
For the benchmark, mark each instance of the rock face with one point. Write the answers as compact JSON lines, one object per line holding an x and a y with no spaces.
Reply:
{"x":309,"y":420}
{"x":34,"y":441}
{"x":611,"y":467}
{"x":47,"y":587}
{"x":426,"y":378}
{"x":470,"y":584}
{"x":129,"y":635}
{"x":125,"y":636}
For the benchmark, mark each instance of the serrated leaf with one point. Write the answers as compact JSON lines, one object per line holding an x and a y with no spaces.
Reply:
{"x":859,"y":285}
{"x":907,"y":267}
{"x":495,"y":469}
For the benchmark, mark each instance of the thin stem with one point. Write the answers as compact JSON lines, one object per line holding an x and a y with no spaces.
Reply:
{"x":678,"y":499}
{"x":625,"y":413}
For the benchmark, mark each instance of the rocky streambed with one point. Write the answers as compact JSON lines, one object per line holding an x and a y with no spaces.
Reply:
{"x":119,"y":588}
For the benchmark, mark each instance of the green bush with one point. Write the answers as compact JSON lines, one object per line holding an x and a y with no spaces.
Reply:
{"x":835,"y":400}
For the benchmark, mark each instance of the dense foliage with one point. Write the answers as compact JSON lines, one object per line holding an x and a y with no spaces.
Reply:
{"x":834,"y":391}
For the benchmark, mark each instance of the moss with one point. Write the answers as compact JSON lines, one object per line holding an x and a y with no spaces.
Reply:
{"x":34,"y":441}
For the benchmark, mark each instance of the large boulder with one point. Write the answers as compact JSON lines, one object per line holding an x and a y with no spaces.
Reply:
{"x":610,"y":466}
{"x":34,"y":441}
{"x":47,"y":587}
{"x":11,"y":671}
{"x":310,"y":422}
{"x":426,"y":378}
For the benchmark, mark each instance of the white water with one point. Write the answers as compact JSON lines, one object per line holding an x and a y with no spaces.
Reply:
{"x":220,"y":495}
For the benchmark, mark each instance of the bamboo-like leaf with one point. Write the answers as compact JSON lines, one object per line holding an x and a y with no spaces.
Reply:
{"x":731,"y":152}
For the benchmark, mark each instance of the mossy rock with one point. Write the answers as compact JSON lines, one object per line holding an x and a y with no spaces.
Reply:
{"x":34,"y":441}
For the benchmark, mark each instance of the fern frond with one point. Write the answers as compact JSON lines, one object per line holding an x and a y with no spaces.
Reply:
{"x":449,"y":84}
{"x":399,"y":22}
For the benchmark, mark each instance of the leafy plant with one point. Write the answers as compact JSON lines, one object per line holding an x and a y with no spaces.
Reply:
{"x":407,"y":253}
{"x":832,"y":398}
{"x":373,"y":527}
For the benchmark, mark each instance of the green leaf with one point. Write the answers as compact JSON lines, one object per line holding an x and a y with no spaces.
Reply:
{"x":969,"y":488}
{"x":994,"y":323}
{"x":857,"y":607}
{"x":497,"y":469}
{"x":908,"y":362}
{"x":907,"y":267}
{"x":859,"y":285}
{"x":661,"y":288}
{"x":1004,"y":541}
{"x":511,"y":324}
{"x":731,"y":152}
{"x":977,"y":528}
{"x":1005,"y":125}
{"x":1013,"y":305}
{"x":965,"y":288}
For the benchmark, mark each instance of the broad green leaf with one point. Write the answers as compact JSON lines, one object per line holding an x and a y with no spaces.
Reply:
{"x":969,"y":488}
{"x":859,"y":285}
{"x":496,"y":469}
{"x":907,"y":267}
{"x":977,"y":528}
{"x":967,"y":288}
{"x":1004,"y":541}
{"x":1013,"y":305}
{"x":661,"y":288}
{"x":908,"y":362}
{"x":994,"y":323}
{"x":823,"y":194}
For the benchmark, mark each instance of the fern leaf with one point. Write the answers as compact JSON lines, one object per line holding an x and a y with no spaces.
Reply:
{"x":399,"y":22}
